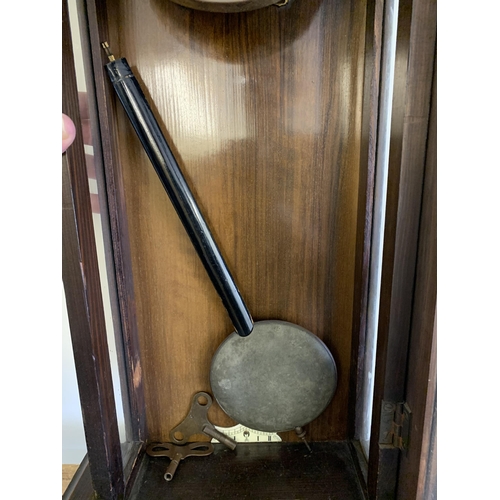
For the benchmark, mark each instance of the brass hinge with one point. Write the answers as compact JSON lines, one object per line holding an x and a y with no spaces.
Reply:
{"x":395,"y":421}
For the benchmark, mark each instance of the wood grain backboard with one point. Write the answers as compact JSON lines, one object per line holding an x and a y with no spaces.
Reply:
{"x":263,"y":111}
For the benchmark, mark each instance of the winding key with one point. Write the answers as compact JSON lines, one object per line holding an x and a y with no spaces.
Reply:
{"x":177,"y":453}
{"x":197,"y":421}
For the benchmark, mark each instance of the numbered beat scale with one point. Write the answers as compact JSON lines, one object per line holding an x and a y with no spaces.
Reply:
{"x":242,"y":434}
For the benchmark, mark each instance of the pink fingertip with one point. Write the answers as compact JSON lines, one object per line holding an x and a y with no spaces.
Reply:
{"x":68,"y":132}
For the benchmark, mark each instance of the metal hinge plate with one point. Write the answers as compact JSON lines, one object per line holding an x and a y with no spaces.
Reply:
{"x":395,"y":421}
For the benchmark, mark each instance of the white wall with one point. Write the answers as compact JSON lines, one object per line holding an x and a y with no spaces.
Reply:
{"x":73,"y":438}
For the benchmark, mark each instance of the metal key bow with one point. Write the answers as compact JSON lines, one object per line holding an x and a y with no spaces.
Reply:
{"x":177,"y":453}
{"x":197,"y":421}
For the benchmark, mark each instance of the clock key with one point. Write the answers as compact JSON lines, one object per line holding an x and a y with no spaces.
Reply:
{"x":177,"y":453}
{"x":197,"y":422}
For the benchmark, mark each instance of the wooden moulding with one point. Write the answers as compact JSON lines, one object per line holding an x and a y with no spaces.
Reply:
{"x":408,"y":224}
{"x":373,"y":52}
{"x":93,"y":15}
{"x":84,"y":302}
{"x":421,"y":382}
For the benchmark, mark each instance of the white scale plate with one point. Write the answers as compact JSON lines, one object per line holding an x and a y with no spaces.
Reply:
{"x":242,"y":434}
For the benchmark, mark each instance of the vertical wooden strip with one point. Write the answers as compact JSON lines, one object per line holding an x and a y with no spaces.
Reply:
{"x":415,"y":48}
{"x":95,"y":167}
{"x":428,"y":486}
{"x":84,"y":301}
{"x":427,"y":477}
{"x":97,"y":22}
{"x":421,"y":381}
{"x":373,"y":47}
{"x":383,"y":459}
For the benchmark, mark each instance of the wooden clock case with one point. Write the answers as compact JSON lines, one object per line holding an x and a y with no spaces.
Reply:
{"x":273,"y":115}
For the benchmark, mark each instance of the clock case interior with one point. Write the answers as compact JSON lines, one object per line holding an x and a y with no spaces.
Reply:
{"x":272,"y":115}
